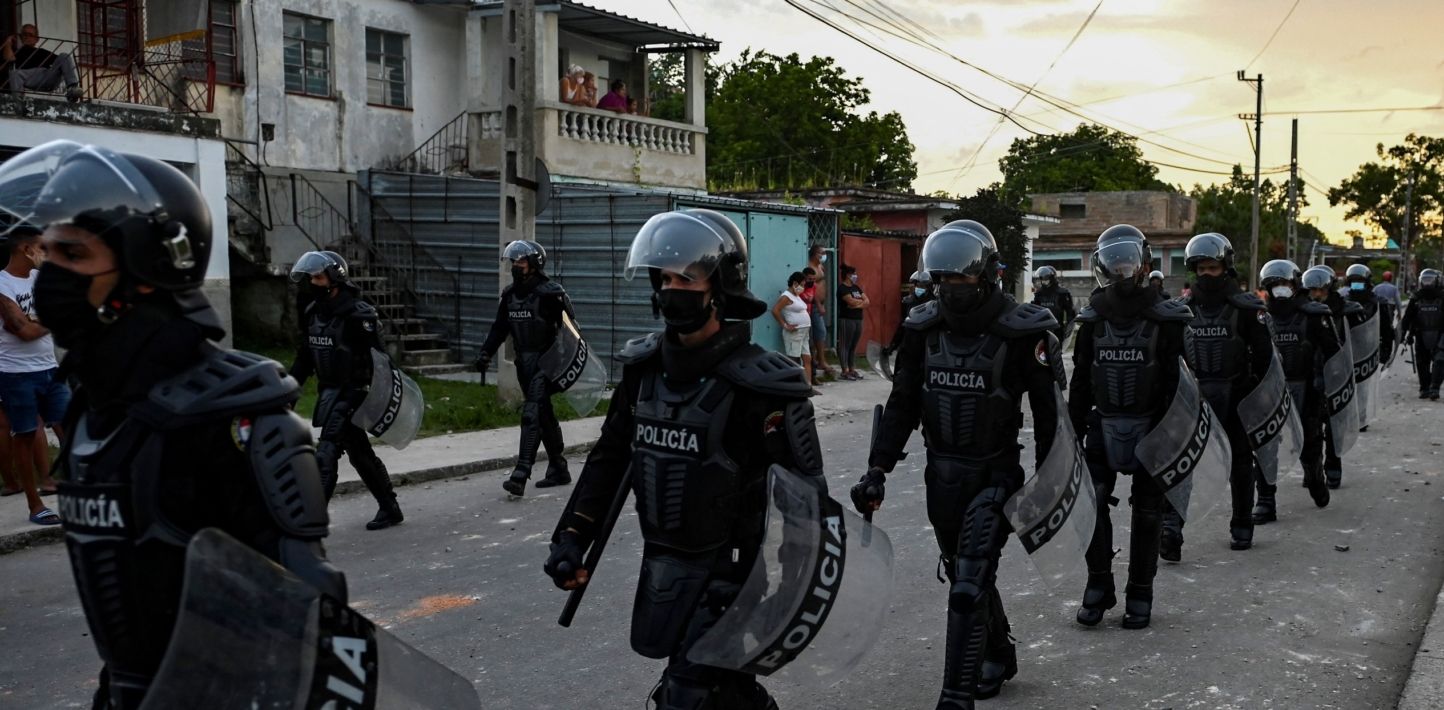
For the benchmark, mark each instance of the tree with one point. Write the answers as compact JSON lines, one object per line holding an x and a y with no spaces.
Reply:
{"x":1227,"y":208}
{"x":667,"y":86}
{"x":1376,"y":192}
{"x":1090,"y":159}
{"x":1005,"y":221}
{"x":781,"y":122}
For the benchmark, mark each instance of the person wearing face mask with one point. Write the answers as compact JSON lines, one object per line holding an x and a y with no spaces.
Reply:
{"x":921,"y":293}
{"x":1155,"y":281}
{"x":339,"y":329}
{"x":1422,"y":328}
{"x":1229,"y":347}
{"x":699,"y":416}
{"x":1305,"y":337}
{"x":530,"y":311}
{"x":1359,"y":288}
{"x":1320,"y":282}
{"x":966,"y":361}
{"x":1125,"y":374}
{"x":1369,"y":323}
{"x":791,"y":313}
{"x":167,"y":433}
{"x":849,"y":321}
{"x":1048,"y":293}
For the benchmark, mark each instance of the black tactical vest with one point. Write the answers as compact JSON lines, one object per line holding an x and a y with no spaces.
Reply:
{"x":1213,"y":345}
{"x":966,"y":409}
{"x":337,"y":363}
{"x":688,"y":489}
{"x":529,"y":331}
{"x":1125,"y":365}
{"x":1430,"y":319}
{"x":1051,"y":299}
{"x":1291,"y":338}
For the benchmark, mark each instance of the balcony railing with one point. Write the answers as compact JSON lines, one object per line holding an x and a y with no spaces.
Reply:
{"x":178,"y":77}
{"x":597,"y":126}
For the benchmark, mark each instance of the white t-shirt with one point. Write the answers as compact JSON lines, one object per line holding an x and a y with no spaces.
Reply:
{"x":795,"y":312}
{"x":17,"y":355}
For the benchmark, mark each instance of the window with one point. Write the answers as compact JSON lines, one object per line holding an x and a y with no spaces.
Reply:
{"x":1062,"y":262}
{"x":224,"y":46}
{"x":1072,"y":211}
{"x":386,"y":69}
{"x":307,"y":55}
{"x":1176,"y":264}
{"x":107,"y":30}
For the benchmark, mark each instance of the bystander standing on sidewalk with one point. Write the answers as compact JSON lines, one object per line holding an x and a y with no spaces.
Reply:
{"x":791,"y":312}
{"x":849,"y":321}
{"x":29,"y":391}
{"x":815,"y":284}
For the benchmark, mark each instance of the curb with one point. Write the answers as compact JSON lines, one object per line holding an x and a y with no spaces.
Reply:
{"x":1424,"y":687}
{"x":14,"y":542}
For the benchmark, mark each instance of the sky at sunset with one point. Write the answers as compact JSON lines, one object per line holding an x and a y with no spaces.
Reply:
{"x":1329,"y":54}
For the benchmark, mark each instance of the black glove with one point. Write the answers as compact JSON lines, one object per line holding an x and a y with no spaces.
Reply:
{"x":867,"y":495}
{"x":888,"y":351}
{"x":1409,"y":339}
{"x":482,"y":363}
{"x":565,"y":559}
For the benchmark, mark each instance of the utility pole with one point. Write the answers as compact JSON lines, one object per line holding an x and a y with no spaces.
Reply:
{"x":1293,"y":230}
{"x":518,"y":151}
{"x":1257,"y":117}
{"x":1408,"y":242}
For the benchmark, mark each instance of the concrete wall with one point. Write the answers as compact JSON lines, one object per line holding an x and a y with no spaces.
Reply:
{"x":1147,"y":210}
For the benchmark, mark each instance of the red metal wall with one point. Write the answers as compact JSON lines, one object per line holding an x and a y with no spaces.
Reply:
{"x":880,"y":274}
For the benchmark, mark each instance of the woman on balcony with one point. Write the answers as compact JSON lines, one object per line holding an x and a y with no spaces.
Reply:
{"x":573,"y":89}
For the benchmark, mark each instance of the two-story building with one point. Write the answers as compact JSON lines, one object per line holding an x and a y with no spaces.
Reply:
{"x":1167,"y":218}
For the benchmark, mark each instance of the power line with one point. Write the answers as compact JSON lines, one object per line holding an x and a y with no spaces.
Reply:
{"x":679,"y":16}
{"x":1272,"y":36}
{"x":1354,"y":110}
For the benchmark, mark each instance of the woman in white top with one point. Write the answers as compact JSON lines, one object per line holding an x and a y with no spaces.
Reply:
{"x":572,"y":86}
{"x":791,"y":312}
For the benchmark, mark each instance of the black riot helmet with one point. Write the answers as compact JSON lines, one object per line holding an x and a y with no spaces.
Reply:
{"x":962,"y":247}
{"x":322,"y":262}
{"x":1429,"y":280}
{"x":1358,"y":273}
{"x":149,"y":213}
{"x":1318,"y":277}
{"x":921,"y":278}
{"x":1209,"y":246}
{"x":1122,"y":256}
{"x":526,"y":250}
{"x":1045,"y":277}
{"x":1279,"y":272}
{"x":699,"y":244}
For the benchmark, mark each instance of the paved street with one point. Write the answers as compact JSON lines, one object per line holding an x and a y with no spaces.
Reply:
{"x":1293,"y":623}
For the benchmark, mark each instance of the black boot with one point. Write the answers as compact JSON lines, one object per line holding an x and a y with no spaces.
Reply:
{"x":389,"y":514}
{"x":1242,"y":537}
{"x":1170,"y":541}
{"x":557,"y":474}
{"x":1142,"y":558}
{"x":1318,"y":487}
{"x":1000,"y":665}
{"x":1334,"y":478}
{"x":516,"y":483}
{"x":963,"y":659}
{"x":1265,"y":511}
{"x":1098,"y":597}
{"x":1138,"y":605}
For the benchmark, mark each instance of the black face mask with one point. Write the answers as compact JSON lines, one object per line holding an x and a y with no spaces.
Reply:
{"x":517,"y":274}
{"x":1126,"y":287}
{"x":62,"y":301}
{"x":961,"y":298}
{"x":1210,"y":284}
{"x":684,"y":311}
{"x":318,"y":291}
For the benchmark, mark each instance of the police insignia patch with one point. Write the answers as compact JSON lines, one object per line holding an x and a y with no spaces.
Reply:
{"x":368,"y":326}
{"x":241,"y":432}
{"x":1263,"y":317}
{"x":1041,"y":353}
{"x":773,"y":423}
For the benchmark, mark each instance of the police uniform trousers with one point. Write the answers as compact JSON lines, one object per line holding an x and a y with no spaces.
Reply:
{"x":1240,"y":478}
{"x":334,"y":408}
{"x":539,"y":425}
{"x":1429,"y":360}
{"x":1146,"y":501}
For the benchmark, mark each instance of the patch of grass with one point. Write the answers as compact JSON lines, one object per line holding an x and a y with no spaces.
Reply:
{"x":451,"y":406}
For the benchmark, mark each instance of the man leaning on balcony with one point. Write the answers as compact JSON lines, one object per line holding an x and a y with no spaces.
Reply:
{"x":29,"y":67}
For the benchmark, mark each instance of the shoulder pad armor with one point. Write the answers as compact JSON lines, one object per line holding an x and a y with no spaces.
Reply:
{"x":638,"y":349}
{"x":1314,"y":308}
{"x":223,"y":384}
{"x":1089,"y":314}
{"x":764,"y":371}
{"x":1170,"y":310}
{"x":550,"y":288}
{"x":284,"y":461}
{"x":1025,"y":319}
{"x":1247,"y":301}
{"x":924,"y":316}
{"x":1352,"y":308}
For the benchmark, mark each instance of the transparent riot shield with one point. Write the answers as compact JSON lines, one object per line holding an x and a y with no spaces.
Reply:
{"x":814,"y":601}
{"x":574,"y":369}
{"x":1187,"y":453}
{"x":881,"y":362}
{"x":1271,"y":420}
{"x":1364,"y":343}
{"x":1054,"y":512}
{"x":393,"y":407}
{"x":251,"y":636}
{"x":1339,"y":401}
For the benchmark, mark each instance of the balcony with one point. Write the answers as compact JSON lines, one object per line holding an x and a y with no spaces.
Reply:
{"x":593,"y":144}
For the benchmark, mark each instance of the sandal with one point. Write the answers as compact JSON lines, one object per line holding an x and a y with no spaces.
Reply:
{"x":46,"y":516}
{"x":9,"y":492}
{"x":48,"y":491}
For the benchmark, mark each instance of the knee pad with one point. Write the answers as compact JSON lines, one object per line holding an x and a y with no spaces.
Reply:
{"x":973,"y":577}
{"x":327,"y":454}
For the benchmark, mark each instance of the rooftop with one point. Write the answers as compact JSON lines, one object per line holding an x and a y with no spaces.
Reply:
{"x":585,"y":19}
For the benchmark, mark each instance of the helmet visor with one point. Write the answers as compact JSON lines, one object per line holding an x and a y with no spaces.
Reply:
{"x":1317,"y":278}
{"x":676,"y":242}
{"x":955,"y":251}
{"x":1428,"y":278}
{"x":518,"y":250}
{"x":61,"y":181}
{"x":310,"y":264}
{"x":1120,"y":261}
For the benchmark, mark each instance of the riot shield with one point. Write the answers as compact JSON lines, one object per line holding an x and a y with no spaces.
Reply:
{"x":573,"y":368}
{"x":1339,"y":400}
{"x":1187,"y":453}
{"x":1364,"y":343}
{"x":393,"y":407}
{"x":251,"y":636}
{"x":814,"y":601}
{"x":1054,"y":512}
{"x":881,"y":362}
{"x":1271,"y":420}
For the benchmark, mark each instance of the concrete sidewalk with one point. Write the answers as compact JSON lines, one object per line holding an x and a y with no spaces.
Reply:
{"x":454,"y":455}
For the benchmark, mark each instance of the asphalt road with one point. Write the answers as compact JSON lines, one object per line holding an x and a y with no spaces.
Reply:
{"x":1295,"y":622}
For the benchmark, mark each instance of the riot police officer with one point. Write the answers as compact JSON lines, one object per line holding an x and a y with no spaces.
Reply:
{"x":1423,"y":329}
{"x":1155,"y":281}
{"x":1048,"y":293}
{"x":530,"y":311}
{"x":1305,"y":337}
{"x":922,"y":292}
{"x":966,"y":362}
{"x":699,"y":416}
{"x":164,"y":434}
{"x":1229,"y":347}
{"x":339,"y":329}
{"x":1321,"y":283}
{"x":1359,"y":288}
{"x":1124,"y":377}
